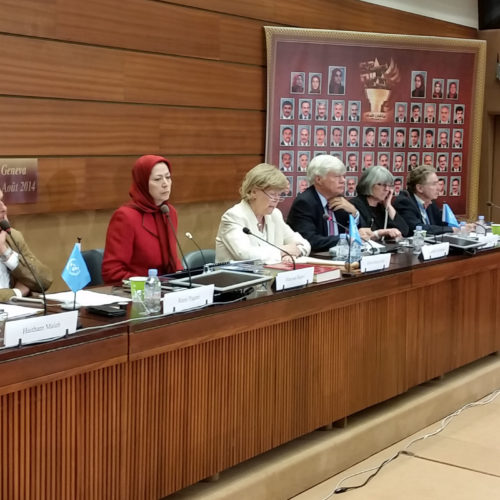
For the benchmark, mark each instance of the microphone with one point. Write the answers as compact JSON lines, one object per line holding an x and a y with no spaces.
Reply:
{"x":5,"y":226}
{"x":190,"y":236}
{"x":492,"y":205}
{"x":165,"y":210}
{"x":328,"y":218}
{"x":346,"y":229}
{"x":247,"y":231}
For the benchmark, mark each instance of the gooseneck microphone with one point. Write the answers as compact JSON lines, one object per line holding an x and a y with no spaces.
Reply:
{"x":491,"y":204}
{"x":166,"y":211}
{"x":5,"y":226}
{"x":328,"y":218}
{"x":247,"y":231}
{"x":190,"y":236}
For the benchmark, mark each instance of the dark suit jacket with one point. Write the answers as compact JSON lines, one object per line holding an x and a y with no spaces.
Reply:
{"x":374,"y":217}
{"x":407,"y":207}
{"x":306,"y":216}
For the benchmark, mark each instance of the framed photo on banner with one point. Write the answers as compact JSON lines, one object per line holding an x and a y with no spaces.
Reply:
{"x":375,"y":99}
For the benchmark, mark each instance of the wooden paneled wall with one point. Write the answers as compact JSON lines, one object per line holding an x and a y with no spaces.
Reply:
{"x":87,"y":88}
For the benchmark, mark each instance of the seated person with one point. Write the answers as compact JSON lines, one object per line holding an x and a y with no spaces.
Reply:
{"x":417,"y":205}
{"x":139,"y":235}
{"x":375,"y":191}
{"x":16,"y":279}
{"x":260,"y":194}
{"x":321,"y":212}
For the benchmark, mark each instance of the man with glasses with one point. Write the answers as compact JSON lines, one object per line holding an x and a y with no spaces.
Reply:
{"x":321,"y":212}
{"x":417,"y":204}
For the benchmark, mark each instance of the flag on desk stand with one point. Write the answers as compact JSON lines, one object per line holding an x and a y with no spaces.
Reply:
{"x":353,"y":230}
{"x":75,"y":272}
{"x":449,"y":216}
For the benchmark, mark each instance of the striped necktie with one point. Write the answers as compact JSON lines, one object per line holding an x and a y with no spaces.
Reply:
{"x":333,"y":229}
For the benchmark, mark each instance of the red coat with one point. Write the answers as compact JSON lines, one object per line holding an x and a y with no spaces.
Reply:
{"x":133,"y":246}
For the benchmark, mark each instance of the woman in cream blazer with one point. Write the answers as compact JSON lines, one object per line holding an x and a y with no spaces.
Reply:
{"x":261,"y":192}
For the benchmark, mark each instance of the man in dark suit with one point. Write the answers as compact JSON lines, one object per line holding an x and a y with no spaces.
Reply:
{"x":316,"y":211}
{"x":417,"y":205}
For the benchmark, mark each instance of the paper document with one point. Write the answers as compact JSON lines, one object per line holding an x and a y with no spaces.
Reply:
{"x":14,"y":311}
{"x":87,"y":298}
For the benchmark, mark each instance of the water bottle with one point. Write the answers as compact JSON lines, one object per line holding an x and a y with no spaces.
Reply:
{"x":355,"y":252}
{"x":480,"y":225}
{"x":463,"y":229}
{"x":418,"y":240}
{"x":152,"y":292}
{"x":342,"y":248}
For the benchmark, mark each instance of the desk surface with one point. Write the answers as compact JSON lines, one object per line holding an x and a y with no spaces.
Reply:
{"x":142,"y":410}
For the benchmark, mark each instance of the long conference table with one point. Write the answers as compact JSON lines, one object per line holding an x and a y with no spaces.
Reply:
{"x":141,"y":410}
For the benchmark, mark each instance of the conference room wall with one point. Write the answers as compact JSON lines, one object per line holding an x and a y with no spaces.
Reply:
{"x":88,"y":88}
{"x":489,"y":186}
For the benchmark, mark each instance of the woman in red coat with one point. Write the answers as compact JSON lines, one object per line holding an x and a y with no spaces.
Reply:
{"x":139,"y":235}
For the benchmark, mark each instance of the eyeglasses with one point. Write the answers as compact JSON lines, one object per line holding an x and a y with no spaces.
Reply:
{"x":274,"y":197}
{"x":385,"y":186}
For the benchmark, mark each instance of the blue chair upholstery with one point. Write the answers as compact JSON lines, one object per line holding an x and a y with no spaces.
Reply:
{"x":197,"y":259}
{"x":93,"y":259}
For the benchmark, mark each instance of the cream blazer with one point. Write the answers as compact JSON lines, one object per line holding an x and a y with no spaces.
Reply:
{"x":231,"y":243}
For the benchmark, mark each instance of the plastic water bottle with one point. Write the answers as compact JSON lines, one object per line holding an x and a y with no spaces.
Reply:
{"x":418,"y":240}
{"x":152,"y":292}
{"x":481,"y":225}
{"x":463,"y":229}
{"x":355,"y":252}
{"x":342,"y":247}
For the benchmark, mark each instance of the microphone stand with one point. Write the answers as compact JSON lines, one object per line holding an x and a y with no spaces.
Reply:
{"x":247,"y":231}
{"x":166,"y":211}
{"x":190,"y":236}
{"x":5,"y":226}
{"x":373,"y":250}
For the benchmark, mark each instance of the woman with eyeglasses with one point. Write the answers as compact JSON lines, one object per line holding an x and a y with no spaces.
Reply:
{"x":261,"y":191}
{"x":374,"y":203}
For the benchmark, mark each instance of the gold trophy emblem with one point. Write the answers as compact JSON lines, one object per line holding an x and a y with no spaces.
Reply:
{"x":378,"y":80}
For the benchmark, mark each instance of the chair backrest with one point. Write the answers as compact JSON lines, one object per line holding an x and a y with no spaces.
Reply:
{"x":93,"y":259}
{"x":197,"y":259}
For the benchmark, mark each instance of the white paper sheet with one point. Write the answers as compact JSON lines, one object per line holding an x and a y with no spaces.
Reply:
{"x":87,"y":298}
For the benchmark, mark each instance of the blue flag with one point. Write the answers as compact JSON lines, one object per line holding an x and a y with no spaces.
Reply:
{"x":449,"y":216}
{"x":75,"y":272}
{"x":353,"y":230}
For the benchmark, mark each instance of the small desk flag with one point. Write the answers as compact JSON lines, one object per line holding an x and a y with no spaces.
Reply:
{"x":353,"y":230}
{"x":449,"y":216}
{"x":75,"y":272}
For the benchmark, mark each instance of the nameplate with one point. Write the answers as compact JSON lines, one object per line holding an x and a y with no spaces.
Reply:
{"x":375,"y":262}
{"x":490,"y":241}
{"x":40,"y":328}
{"x":435,"y":251}
{"x":295,"y":278}
{"x":191,"y":298}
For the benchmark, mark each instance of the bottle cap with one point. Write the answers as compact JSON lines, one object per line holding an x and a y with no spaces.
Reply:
{"x":152,"y":272}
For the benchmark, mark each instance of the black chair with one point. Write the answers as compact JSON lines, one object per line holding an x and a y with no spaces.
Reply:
{"x":93,"y":259}
{"x":197,"y":259}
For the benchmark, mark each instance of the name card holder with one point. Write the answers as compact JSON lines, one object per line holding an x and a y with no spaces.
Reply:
{"x":490,"y":241}
{"x":294,"y":279}
{"x":376,"y":262}
{"x":191,"y":298}
{"x":430,"y":252}
{"x":40,"y":328}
